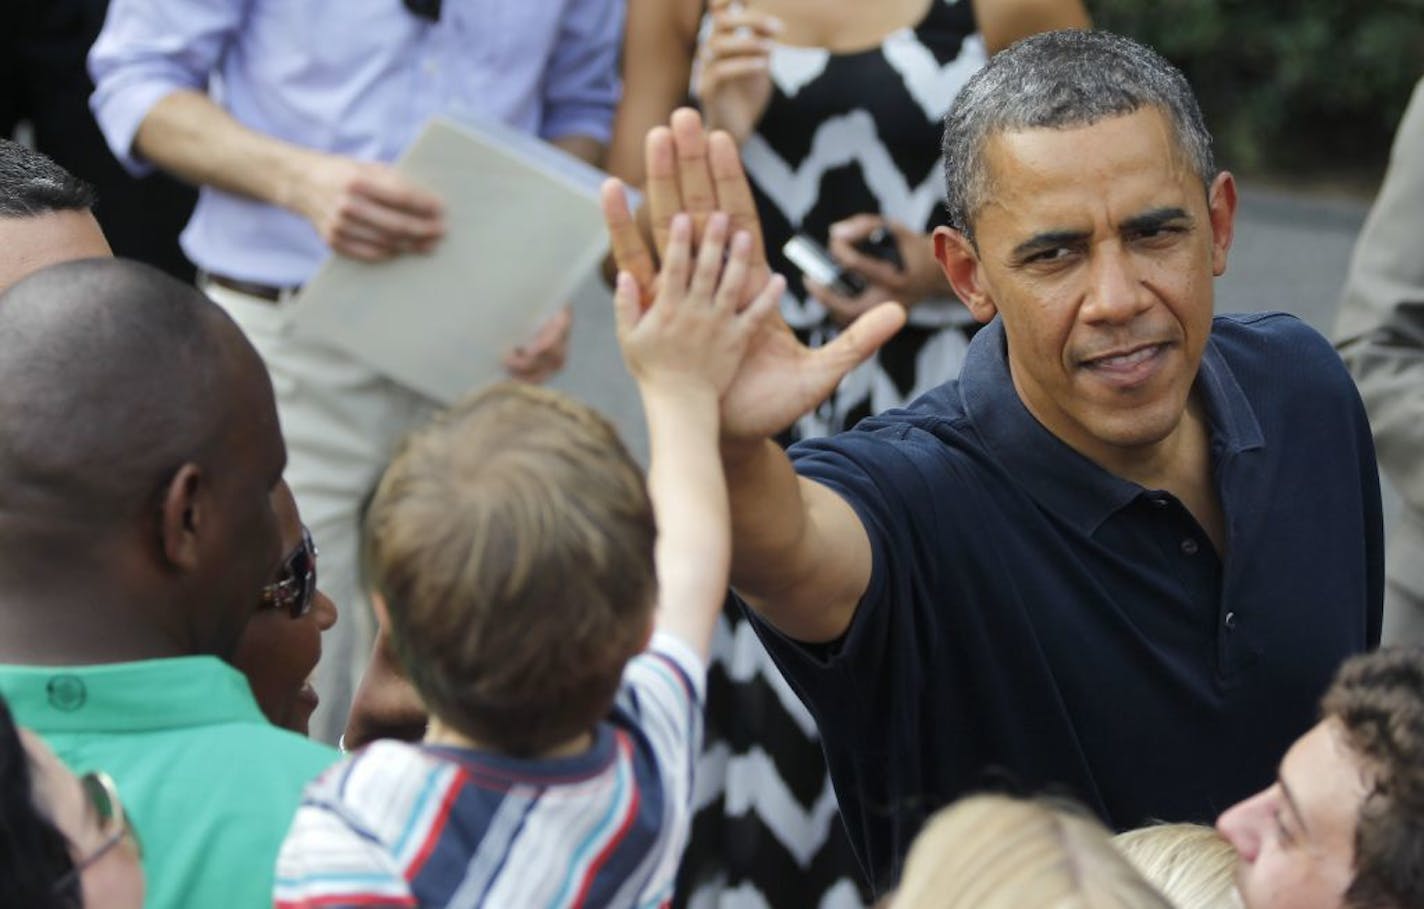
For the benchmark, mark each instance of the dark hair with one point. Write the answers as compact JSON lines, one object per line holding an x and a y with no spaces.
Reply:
{"x":512,"y":539}
{"x":32,"y":184}
{"x":1379,"y":700}
{"x":1062,"y":80}
{"x":33,"y":853}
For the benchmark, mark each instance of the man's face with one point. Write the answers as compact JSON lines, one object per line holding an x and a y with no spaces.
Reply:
{"x":29,"y":244}
{"x":1097,"y":247}
{"x":1296,"y":839}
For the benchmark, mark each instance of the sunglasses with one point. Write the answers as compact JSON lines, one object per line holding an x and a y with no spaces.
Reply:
{"x":295,"y":586}
{"x":425,"y":9}
{"x":114,"y":822}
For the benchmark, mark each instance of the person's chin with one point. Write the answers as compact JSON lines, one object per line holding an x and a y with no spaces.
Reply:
{"x":302,"y":707}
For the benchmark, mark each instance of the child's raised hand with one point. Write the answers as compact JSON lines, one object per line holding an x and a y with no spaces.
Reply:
{"x":693,"y":336}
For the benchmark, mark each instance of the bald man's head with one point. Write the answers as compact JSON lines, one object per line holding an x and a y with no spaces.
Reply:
{"x":137,"y":419}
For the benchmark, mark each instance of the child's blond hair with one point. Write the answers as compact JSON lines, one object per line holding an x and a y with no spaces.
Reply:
{"x":512,"y":541}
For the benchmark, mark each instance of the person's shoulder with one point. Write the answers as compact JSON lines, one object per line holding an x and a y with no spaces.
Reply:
{"x":369,"y":771}
{"x":1285,"y":367}
{"x":1243,"y":332}
{"x":1275,"y":345}
{"x":378,"y":791}
{"x":380,"y":778}
{"x":668,"y":677}
{"x":295,"y":755}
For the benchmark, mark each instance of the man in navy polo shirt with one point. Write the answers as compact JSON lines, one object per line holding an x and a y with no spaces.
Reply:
{"x":1121,"y":557}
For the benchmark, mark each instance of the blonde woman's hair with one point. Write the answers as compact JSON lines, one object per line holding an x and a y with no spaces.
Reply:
{"x":997,"y":852}
{"x":1192,"y":864}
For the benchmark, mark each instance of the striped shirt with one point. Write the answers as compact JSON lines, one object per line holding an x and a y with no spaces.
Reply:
{"x":400,"y":824}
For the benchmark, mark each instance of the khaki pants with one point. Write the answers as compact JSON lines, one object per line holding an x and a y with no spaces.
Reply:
{"x":341,"y":422}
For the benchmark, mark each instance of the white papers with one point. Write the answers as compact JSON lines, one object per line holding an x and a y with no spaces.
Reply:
{"x":523,"y":227}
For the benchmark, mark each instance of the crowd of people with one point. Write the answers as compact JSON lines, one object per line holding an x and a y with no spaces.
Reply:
{"x":1016,"y":577}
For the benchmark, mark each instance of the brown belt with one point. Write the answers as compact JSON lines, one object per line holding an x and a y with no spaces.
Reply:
{"x":251,"y":288}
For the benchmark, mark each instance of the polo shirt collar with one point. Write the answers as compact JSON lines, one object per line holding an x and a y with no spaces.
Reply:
{"x":142,"y":696}
{"x":1060,"y":479}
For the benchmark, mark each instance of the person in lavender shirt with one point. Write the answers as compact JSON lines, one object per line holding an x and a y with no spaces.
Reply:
{"x":285,"y":115}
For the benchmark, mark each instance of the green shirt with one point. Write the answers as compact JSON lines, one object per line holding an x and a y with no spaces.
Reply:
{"x":210,"y":785}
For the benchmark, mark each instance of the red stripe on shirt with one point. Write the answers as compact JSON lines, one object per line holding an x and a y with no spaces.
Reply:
{"x":437,"y":826}
{"x":626,"y":747}
{"x":348,"y":899}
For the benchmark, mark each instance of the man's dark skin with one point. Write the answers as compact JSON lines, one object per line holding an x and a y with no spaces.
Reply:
{"x":139,"y":453}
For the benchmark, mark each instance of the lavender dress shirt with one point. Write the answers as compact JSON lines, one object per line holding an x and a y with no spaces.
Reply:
{"x":353,"y":77}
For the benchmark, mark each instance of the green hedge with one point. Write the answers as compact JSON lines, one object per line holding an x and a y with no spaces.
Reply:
{"x":1288,"y":86}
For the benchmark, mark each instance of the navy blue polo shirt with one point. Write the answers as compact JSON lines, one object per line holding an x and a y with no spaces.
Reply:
{"x":1036,"y":623}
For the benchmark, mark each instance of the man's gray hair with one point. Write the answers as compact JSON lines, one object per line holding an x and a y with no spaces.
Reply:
{"x":1062,"y":80}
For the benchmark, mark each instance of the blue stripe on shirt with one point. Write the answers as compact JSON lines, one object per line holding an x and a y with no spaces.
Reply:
{"x":596,"y":840}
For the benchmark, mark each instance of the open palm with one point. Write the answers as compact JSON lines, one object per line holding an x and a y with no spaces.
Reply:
{"x":779,"y":378}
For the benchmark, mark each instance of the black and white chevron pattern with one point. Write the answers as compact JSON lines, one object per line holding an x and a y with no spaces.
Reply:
{"x":843,"y":134}
{"x":767,"y":831}
{"x":860,"y":132}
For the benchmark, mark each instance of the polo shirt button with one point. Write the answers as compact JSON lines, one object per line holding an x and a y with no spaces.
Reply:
{"x":1230,"y":621}
{"x":66,"y":693}
{"x":1189,"y":546}
{"x":1159,"y":501}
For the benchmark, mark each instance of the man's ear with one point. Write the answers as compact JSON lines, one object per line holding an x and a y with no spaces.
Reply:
{"x":383,"y":614}
{"x":959,"y":261}
{"x":1221,"y":201}
{"x":182,"y":516}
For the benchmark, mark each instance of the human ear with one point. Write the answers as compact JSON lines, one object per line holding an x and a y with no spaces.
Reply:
{"x":1221,"y":201}
{"x":959,"y":261}
{"x":182,"y":516}
{"x":378,"y":606}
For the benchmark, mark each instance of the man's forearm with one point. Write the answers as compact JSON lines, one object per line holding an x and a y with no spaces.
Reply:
{"x":800,"y":555}
{"x":190,"y":136}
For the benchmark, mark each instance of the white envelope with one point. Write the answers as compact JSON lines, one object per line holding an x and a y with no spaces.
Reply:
{"x":523,"y":228}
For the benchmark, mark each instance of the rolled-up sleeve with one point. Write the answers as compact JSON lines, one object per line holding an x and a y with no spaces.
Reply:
{"x":581,"y":83}
{"x":147,"y":50}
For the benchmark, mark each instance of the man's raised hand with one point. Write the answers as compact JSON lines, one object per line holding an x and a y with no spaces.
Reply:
{"x":694,"y":175}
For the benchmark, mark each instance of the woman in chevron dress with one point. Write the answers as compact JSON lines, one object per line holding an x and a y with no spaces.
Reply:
{"x":837,"y":107}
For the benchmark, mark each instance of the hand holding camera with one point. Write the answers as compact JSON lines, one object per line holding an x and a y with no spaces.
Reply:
{"x":870,"y":260}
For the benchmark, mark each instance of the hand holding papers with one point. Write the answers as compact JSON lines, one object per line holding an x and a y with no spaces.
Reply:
{"x":523,"y":228}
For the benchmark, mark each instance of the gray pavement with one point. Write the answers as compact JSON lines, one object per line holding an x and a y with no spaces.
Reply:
{"x":1290,"y":253}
